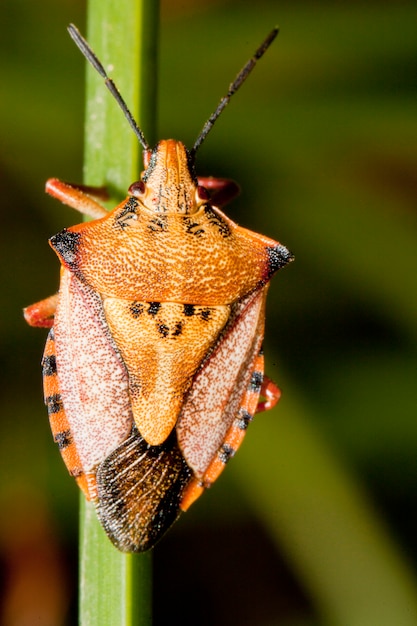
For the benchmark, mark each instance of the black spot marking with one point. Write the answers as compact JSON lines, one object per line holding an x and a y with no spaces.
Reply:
{"x":49,"y":365}
{"x":205,"y":314}
{"x":63,"y":439}
{"x":256,"y":381}
{"x":189,"y":310}
{"x":158,"y":224}
{"x":154,"y":308}
{"x":278,"y":257}
{"x":243,"y":419}
{"x":66,"y":245}
{"x":225,"y":453}
{"x":163,"y":329}
{"x":193,"y":227}
{"x":54,"y":403}
{"x":217,"y":221}
{"x":129,"y":209}
{"x":136,"y":309}
{"x":178,"y":329}
{"x":130,"y":206}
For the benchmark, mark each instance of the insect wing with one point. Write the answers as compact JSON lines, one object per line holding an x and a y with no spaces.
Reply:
{"x":92,"y":378}
{"x":213,"y":401}
{"x":141,"y":487}
{"x":139,"y":491}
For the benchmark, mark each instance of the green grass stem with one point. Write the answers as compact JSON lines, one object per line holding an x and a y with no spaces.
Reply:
{"x":115,"y":588}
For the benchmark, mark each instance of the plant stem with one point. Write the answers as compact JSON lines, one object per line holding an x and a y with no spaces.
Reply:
{"x":115,"y":588}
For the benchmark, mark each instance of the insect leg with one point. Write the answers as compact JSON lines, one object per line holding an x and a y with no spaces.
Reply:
{"x":78,"y":197}
{"x":41,"y":313}
{"x":271,"y":393}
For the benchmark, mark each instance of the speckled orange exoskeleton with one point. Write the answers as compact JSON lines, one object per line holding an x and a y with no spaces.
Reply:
{"x":153,"y":367}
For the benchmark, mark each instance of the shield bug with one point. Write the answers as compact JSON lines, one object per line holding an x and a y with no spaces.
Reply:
{"x":153,"y":366}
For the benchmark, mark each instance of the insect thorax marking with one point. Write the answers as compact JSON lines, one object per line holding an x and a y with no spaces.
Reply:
{"x":217,"y":221}
{"x":158,"y":224}
{"x":127,"y":213}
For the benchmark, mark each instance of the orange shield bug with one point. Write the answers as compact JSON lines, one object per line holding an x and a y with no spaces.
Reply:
{"x":153,"y":366}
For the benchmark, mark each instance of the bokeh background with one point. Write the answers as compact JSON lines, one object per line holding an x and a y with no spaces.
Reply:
{"x":314,"y":521}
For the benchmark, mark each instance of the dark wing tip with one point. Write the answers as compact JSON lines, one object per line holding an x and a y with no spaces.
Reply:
{"x":139,"y":491}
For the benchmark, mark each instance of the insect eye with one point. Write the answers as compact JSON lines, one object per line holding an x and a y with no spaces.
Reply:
{"x":203,"y":193}
{"x":137,"y":189}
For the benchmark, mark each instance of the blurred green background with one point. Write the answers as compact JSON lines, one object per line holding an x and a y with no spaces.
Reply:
{"x":314,"y":521}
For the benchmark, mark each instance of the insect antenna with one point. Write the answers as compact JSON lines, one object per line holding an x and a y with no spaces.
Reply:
{"x":84,"y":47}
{"x":233,"y":87}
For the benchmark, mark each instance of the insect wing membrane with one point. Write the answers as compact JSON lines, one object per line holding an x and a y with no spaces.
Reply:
{"x":139,"y":491}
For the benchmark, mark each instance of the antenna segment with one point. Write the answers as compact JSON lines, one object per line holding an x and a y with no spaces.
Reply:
{"x":91,"y":57}
{"x":233,"y":87}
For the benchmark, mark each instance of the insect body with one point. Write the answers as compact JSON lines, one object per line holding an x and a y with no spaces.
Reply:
{"x":153,"y":367}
